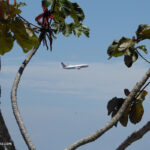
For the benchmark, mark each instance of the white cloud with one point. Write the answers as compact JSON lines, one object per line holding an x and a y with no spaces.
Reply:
{"x":98,"y":81}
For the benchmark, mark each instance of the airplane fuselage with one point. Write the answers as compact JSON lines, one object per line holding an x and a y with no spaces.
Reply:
{"x":74,"y":66}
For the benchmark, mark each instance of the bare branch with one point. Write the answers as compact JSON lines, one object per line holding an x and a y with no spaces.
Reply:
{"x":135,"y":136}
{"x":14,"y":99}
{"x":114,"y":120}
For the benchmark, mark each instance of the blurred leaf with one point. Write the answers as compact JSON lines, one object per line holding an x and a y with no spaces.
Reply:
{"x":8,"y":13}
{"x":67,"y":29}
{"x":143,"y":32}
{"x":63,"y":8}
{"x":124,"y":119}
{"x":142,"y":96}
{"x":46,"y":3}
{"x":114,"y":105}
{"x":21,"y":4}
{"x":6,"y":40}
{"x":134,"y":56}
{"x":113,"y":50}
{"x":77,"y":13}
{"x":126,"y":92}
{"x":128,"y":60}
{"x":125,"y":43}
{"x":143,"y":48}
{"x":120,"y":48}
{"x":130,"y":57}
{"x":23,"y":38}
{"x":136,"y":113}
{"x":79,"y":28}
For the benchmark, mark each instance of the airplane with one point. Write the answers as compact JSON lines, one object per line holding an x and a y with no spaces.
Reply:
{"x":74,"y":66}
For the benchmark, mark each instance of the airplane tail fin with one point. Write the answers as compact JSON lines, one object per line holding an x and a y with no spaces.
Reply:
{"x":63,"y":65}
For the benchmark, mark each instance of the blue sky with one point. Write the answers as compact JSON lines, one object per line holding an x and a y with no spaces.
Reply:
{"x":60,"y":106}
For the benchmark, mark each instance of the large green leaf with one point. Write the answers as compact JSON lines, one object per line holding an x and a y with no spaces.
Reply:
{"x":124,"y":119}
{"x":6,"y":40}
{"x":136,"y":112}
{"x":63,"y":7}
{"x":77,"y":13}
{"x":113,"y":50}
{"x":67,"y":29}
{"x":23,"y":38}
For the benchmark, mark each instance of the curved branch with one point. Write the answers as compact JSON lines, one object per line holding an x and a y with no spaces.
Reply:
{"x":114,"y":120}
{"x":142,"y":57}
{"x":135,"y":136}
{"x":14,"y":100}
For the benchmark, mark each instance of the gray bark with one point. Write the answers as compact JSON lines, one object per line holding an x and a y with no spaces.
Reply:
{"x":114,"y":120}
{"x":14,"y":100}
{"x":134,"y":136}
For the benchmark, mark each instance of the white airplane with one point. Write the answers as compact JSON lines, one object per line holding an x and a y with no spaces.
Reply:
{"x":74,"y":66}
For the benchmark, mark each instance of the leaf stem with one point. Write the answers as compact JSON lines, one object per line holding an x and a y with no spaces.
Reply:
{"x":142,"y":56}
{"x":28,"y":21}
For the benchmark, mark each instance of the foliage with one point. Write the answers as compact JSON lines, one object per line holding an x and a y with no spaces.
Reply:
{"x":134,"y":110}
{"x":127,"y":47}
{"x":52,"y":21}
{"x":12,"y":29}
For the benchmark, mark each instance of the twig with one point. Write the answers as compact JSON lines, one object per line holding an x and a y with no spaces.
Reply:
{"x":114,"y":120}
{"x":28,"y":22}
{"x":142,"y":89}
{"x":14,"y":99}
{"x":142,"y":56}
{"x":135,"y":136}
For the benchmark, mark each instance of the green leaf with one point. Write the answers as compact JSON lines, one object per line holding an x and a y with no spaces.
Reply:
{"x":9,"y":13}
{"x":67,"y":30}
{"x":125,"y":43}
{"x":23,"y":38}
{"x":63,"y":8}
{"x":58,"y":26}
{"x":77,"y":13}
{"x":136,"y":113}
{"x":113,"y":50}
{"x":124,"y":119}
{"x":6,"y":40}
{"x":143,"y":32}
{"x":78,"y":29}
{"x":142,"y":96}
{"x":46,"y":3}
{"x":143,"y":48}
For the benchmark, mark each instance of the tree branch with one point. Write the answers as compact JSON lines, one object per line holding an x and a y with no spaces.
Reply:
{"x":135,"y":136}
{"x":114,"y":120}
{"x":14,"y":99}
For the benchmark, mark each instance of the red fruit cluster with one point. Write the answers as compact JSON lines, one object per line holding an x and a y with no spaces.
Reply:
{"x":46,"y":16}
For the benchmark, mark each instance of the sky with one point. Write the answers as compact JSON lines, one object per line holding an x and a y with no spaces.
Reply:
{"x":61,"y":106}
